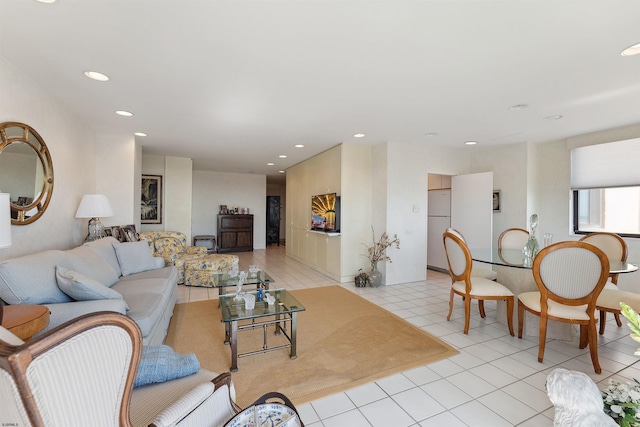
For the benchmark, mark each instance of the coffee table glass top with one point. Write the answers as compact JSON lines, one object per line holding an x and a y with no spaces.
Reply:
{"x":223,"y":280}
{"x":233,"y":309}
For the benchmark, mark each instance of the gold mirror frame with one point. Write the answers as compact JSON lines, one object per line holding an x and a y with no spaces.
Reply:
{"x":20,"y":133}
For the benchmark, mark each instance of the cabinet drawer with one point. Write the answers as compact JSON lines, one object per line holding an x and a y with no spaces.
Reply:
{"x":243,"y":223}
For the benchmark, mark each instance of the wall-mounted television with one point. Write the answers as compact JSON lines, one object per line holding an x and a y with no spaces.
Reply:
{"x":325,"y":212}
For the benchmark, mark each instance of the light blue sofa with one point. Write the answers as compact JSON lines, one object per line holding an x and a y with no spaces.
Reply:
{"x":145,"y":290}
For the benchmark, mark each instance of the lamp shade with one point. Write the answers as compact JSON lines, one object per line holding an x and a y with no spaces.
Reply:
{"x":94,"y":206}
{"x":5,"y":220}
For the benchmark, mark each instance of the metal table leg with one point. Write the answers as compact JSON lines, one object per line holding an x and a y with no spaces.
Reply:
{"x":293,"y":354}
{"x":234,"y":346}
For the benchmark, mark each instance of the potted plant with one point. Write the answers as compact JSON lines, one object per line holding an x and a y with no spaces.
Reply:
{"x":377,"y":253}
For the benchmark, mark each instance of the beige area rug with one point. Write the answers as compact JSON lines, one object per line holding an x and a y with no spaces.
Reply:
{"x":343,"y":341}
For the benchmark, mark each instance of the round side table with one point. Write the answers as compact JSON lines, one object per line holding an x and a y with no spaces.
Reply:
{"x":25,"y":320}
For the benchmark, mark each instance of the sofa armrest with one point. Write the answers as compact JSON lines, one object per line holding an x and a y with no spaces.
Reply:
{"x":195,"y":250}
{"x":63,"y":312}
{"x":209,"y":404}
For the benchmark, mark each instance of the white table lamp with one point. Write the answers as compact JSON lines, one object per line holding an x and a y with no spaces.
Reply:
{"x":94,"y":206}
{"x":5,"y":220}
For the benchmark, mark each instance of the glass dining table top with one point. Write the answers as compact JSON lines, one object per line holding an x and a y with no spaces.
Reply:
{"x":515,"y":258}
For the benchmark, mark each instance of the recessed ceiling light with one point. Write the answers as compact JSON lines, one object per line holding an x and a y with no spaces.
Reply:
{"x":299,"y":145}
{"x":554,"y":117}
{"x":518,"y":107}
{"x":282,"y":156}
{"x":140,"y":134}
{"x":94,"y":75}
{"x":281,"y":171}
{"x":358,"y":135}
{"x":631,"y":50}
{"x":46,"y":1}
{"x":430,"y":134}
{"x":270,"y":164}
{"x":471,"y":143}
{"x":124,"y":113}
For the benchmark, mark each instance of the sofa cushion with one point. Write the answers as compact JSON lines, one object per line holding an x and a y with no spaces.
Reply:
{"x":105,"y":248}
{"x":81,"y":287}
{"x":134,"y":257}
{"x":31,"y":279}
{"x":146,"y":309}
{"x":166,"y":273}
{"x":90,"y":262}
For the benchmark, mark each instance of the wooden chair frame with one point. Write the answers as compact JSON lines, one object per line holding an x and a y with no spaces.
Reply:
{"x":467,"y":296}
{"x":588,"y":334}
{"x":614,"y":277}
{"x":507,"y":231}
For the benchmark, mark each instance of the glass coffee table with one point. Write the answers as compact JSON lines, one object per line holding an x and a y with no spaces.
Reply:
{"x":236,"y":318}
{"x":225,"y":280}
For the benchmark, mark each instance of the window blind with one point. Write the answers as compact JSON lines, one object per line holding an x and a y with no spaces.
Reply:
{"x":614,"y":164}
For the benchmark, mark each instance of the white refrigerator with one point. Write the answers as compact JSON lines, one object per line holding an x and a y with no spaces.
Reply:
{"x":438,"y":220}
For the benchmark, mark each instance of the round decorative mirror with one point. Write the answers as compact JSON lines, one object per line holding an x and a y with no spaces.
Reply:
{"x":26,"y":171}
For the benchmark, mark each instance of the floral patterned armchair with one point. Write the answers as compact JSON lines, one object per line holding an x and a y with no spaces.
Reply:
{"x":172,"y":246}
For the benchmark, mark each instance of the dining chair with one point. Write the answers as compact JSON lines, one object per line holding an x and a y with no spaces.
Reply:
{"x":570,"y":276}
{"x":513,"y":238}
{"x":609,"y":300}
{"x":487,"y":273}
{"x":471,"y":287}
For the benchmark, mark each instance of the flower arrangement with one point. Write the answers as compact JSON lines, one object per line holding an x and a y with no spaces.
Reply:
{"x":377,"y":252}
{"x":634,"y":324}
{"x":621,"y":402}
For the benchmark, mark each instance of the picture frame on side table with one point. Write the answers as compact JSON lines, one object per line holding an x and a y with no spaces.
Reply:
{"x":151,"y":203}
{"x":130,"y":233}
{"x":496,"y":200}
{"x":118,"y":233}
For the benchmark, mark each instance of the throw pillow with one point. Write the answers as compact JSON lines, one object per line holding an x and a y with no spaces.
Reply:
{"x":134,"y":257}
{"x":160,"y":363}
{"x":81,"y":287}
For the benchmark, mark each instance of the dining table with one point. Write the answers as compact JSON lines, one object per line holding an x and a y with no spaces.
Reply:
{"x":515,"y":272}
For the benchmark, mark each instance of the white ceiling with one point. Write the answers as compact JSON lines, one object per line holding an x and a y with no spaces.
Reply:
{"x":234,"y":84}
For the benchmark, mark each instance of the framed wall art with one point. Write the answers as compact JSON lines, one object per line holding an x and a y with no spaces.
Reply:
{"x":151,"y":203}
{"x":496,"y":200}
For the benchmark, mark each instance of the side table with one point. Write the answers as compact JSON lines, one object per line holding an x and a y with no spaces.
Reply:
{"x":208,"y":238}
{"x":25,"y":320}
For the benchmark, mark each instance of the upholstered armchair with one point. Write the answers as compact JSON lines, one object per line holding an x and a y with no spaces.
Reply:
{"x":82,"y":373}
{"x":172,"y":246}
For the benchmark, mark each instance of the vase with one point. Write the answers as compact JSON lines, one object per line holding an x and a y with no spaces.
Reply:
{"x":375,"y":277}
{"x":532,"y":244}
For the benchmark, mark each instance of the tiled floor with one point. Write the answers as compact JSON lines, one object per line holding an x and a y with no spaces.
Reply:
{"x":495,"y":381}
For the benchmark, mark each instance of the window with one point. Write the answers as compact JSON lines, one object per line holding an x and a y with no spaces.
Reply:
{"x":605,"y":180}
{"x":615,"y":209}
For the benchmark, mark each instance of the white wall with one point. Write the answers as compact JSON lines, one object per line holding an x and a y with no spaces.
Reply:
{"x":116,"y":177}
{"x":212,"y":189}
{"x":72,"y":148}
{"x":510,"y":175}
{"x":356,"y":200}
{"x":177,"y":200}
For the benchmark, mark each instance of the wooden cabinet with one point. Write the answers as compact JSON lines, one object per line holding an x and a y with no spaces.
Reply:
{"x":235,"y":233}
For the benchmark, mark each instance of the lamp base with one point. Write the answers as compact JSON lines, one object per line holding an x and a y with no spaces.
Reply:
{"x":96,"y":230}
